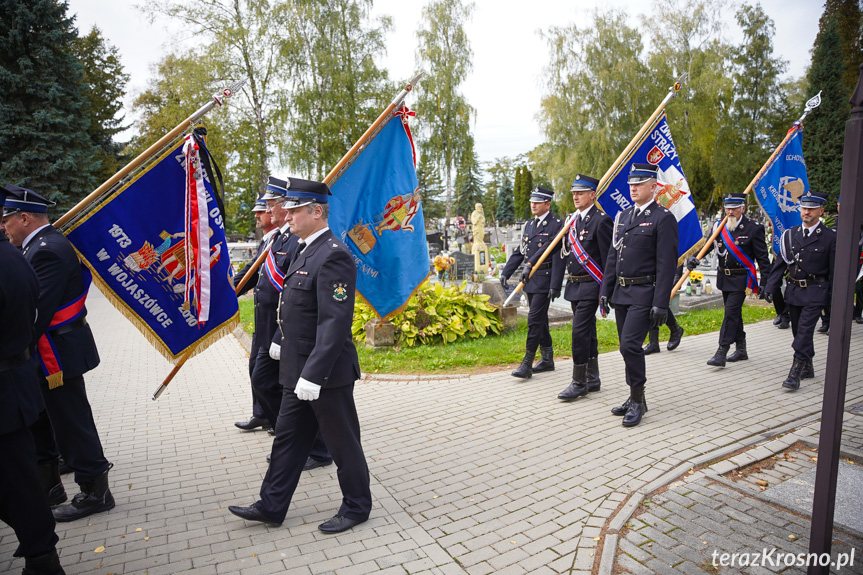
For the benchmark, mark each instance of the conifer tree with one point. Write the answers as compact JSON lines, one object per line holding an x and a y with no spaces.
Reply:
{"x":430,"y":187}
{"x":44,"y":116}
{"x":505,"y":204}
{"x":824,"y":128}
{"x":847,"y":16}
{"x":468,"y":183}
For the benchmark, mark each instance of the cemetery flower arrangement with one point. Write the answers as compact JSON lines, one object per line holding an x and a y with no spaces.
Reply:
{"x":436,"y":314}
{"x":443,"y":263}
{"x":695,"y":277}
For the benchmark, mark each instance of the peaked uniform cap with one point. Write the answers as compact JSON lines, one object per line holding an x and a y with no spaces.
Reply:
{"x":734,"y":200}
{"x":304,"y":192}
{"x":276,"y":189}
{"x":639,"y":173}
{"x":23,"y":200}
{"x":260,"y":205}
{"x":584,"y":183}
{"x":541,"y":195}
{"x":809,"y":200}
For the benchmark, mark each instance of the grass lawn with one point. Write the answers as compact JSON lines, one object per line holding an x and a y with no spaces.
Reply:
{"x":498,"y":352}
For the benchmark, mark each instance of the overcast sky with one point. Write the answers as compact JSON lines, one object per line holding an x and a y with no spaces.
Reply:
{"x":506,"y":85}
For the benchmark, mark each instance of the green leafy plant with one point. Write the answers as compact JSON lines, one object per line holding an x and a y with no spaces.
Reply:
{"x":436,"y":314}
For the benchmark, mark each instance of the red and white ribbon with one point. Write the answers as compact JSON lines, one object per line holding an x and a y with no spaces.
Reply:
{"x":197,"y":233}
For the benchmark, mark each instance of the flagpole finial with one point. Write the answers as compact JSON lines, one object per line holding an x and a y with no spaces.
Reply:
{"x":229,"y":91}
{"x":811,"y":104}
{"x":413,"y":81}
{"x":679,"y":83}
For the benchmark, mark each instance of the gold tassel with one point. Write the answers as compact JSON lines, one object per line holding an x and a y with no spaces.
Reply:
{"x":55,"y":380}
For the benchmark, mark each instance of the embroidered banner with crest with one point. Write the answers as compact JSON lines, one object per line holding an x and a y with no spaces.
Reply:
{"x":779,"y":189}
{"x":376,"y":211}
{"x":134,"y":242}
{"x":657,"y":147}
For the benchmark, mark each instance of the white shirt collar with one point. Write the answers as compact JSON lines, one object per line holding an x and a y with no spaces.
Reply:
{"x":810,"y":228}
{"x":638,"y":210}
{"x":32,"y":234}
{"x":268,"y":235}
{"x":285,"y":228}
{"x":308,"y":241}
{"x":542,"y":217}
{"x":584,"y":212}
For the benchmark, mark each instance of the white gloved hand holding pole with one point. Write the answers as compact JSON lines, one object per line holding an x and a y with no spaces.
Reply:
{"x":306,"y":390}
{"x":275,"y":351}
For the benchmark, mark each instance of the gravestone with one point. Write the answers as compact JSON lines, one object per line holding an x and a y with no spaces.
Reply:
{"x":464,"y":267}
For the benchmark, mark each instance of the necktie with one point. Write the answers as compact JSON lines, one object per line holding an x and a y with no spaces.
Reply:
{"x":806,"y":233}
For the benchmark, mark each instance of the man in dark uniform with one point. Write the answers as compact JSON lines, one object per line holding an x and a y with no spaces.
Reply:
{"x":267,"y":294}
{"x":584,"y":251}
{"x":318,"y":369}
{"x":264,"y":222}
{"x":740,"y":246}
{"x":23,"y":503}
{"x":537,"y":234}
{"x":66,"y":351}
{"x":807,"y":258}
{"x":638,"y":278}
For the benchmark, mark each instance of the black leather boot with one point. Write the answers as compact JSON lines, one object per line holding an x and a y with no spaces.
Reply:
{"x":622,"y":409}
{"x":95,"y":497}
{"x":637,"y":407}
{"x":652,"y":342}
{"x":593,"y":381}
{"x":784,"y":321}
{"x":525,"y":370}
{"x":808,"y":371}
{"x":674,"y":338}
{"x":49,"y":478}
{"x":546,"y":363}
{"x":792,"y":382}
{"x":739,"y":352}
{"x":45,"y":564}
{"x":578,"y":386}
{"x":718,"y":359}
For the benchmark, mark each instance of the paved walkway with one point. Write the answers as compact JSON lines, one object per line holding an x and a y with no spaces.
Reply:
{"x":481,"y":474}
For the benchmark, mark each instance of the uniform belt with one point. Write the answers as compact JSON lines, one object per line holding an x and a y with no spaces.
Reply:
{"x":14,"y":360}
{"x":635,"y":281}
{"x":580,"y":279}
{"x":733,"y":271}
{"x":808,"y":280}
{"x":71,"y":326}
{"x":543,"y":265}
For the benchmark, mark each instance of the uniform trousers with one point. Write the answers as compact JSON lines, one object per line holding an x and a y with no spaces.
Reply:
{"x":537,"y":321}
{"x":268,"y":394}
{"x":23,"y":502}
{"x":257,"y":410}
{"x":67,"y":424}
{"x":584,"y":342}
{"x":732,"y":322}
{"x":633,"y":323}
{"x":335,"y":415}
{"x":803,"y":322}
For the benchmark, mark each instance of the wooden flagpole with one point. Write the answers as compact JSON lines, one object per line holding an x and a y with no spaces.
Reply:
{"x":798,"y":125}
{"x":672,"y":92}
{"x":218,"y":99}
{"x":355,"y":149}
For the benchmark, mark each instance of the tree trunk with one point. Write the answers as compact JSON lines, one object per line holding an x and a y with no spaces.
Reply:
{"x":448,"y":193}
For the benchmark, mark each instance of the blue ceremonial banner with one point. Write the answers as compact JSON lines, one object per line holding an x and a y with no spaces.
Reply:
{"x":779,"y":189}
{"x":657,"y":147}
{"x":135,"y":244}
{"x":376,"y":211}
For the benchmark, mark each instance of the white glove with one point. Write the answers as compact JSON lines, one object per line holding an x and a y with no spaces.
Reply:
{"x":275,"y":351}
{"x":306,"y":390}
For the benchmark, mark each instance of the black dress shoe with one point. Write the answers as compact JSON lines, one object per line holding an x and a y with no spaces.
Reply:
{"x":674,"y":339}
{"x":252,"y":513}
{"x":271,"y":432}
{"x":253,"y":423}
{"x":268,"y":458}
{"x":858,"y":319}
{"x":652,"y":347}
{"x":338,"y":524}
{"x":824,"y":328}
{"x":312,"y":463}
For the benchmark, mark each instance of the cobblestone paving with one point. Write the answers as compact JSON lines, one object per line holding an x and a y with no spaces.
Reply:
{"x":481,"y":474}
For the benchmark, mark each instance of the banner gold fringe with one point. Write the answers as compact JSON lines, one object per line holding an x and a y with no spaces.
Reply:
{"x":198,"y":346}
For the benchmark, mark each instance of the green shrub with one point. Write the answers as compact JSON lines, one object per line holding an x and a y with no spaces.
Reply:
{"x":436,"y":314}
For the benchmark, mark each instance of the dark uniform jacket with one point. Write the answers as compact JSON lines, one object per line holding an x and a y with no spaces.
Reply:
{"x":811,"y":265}
{"x":20,"y":398}
{"x":60,"y":281}
{"x":317,"y":309}
{"x":749,"y":237}
{"x":267,"y":296}
{"x":594,"y":233}
{"x":534,"y":241}
{"x":643,"y":248}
